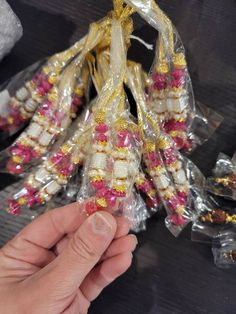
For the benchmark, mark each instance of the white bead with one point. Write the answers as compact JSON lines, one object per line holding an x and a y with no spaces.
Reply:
{"x":32,"y":182}
{"x":162,"y":182}
{"x":177,"y":104}
{"x":119,"y":155}
{"x":160,"y":106}
{"x":30,"y":105}
{"x":159,"y":94}
{"x":53,"y":187}
{"x":45,"y":196}
{"x":133,"y":168}
{"x":45,"y":138}
{"x":99,"y":161}
{"x":34,"y":130}
{"x":180,"y":176}
{"x":120,"y":169}
{"x":42,"y":175}
{"x":22,"y":93}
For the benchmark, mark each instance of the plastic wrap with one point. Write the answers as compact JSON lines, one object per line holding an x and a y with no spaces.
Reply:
{"x":11,"y":29}
{"x":113,"y":163}
{"x":213,"y":218}
{"x":224,"y":249}
{"x":52,"y":119}
{"x":41,"y":185}
{"x":173,"y":176}
{"x":223,"y":181}
{"x":28,"y":89}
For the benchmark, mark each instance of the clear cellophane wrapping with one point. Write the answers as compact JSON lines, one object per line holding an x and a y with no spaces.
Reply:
{"x":223,"y":179}
{"x":175,"y":178}
{"x":53,"y":117}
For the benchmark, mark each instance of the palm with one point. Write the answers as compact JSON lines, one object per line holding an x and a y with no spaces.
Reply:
{"x":29,"y":261}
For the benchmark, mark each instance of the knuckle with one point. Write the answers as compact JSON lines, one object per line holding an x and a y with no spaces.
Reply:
{"x":83,"y":248}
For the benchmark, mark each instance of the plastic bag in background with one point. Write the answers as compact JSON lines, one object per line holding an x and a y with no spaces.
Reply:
{"x":224,"y":248}
{"x":205,"y":123}
{"x":213,"y":218}
{"x":11,"y":29}
{"x":223,"y":181}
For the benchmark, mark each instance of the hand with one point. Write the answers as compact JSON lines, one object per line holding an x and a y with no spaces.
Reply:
{"x":62,"y":261}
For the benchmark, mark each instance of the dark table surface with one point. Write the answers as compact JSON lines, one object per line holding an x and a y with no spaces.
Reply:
{"x":168,"y":275}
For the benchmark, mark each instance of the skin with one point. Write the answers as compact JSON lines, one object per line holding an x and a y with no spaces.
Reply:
{"x":62,"y":261}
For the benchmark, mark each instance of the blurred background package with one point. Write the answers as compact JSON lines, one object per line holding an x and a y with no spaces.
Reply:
{"x":10,"y":28}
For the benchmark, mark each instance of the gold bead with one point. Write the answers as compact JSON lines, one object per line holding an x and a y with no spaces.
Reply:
{"x":17,"y":159}
{"x":66,"y":148}
{"x":179,"y":60}
{"x":168,"y":194}
{"x":180,"y":210}
{"x":22,"y":201}
{"x":119,"y":188}
{"x":162,"y":68}
{"x":10,"y":120}
{"x":100,"y":117}
{"x":149,"y":147}
{"x":52,"y":79}
{"x":52,"y":96}
{"x":121,"y":124}
{"x":163,"y":143}
{"x":79,"y":91}
{"x":101,"y":202}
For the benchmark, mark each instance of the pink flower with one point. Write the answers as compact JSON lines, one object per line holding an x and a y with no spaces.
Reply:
{"x":101,"y":137}
{"x":177,"y":220}
{"x":102,"y":128}
{"x":14,"y":207}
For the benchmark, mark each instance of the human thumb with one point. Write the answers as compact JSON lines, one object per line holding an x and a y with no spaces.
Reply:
{"x":83,"y":252}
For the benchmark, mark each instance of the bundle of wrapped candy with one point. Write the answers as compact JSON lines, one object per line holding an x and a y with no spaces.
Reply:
{"x":130,"y":166}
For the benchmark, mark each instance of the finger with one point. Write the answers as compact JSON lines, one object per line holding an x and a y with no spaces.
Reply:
{"x":49,"y":228}
{"x":122,"y":230}
{"x":122,"y":245}
{"x":103,"y":274}
{"x":82,"y":253}
{"x":123,"y":227}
